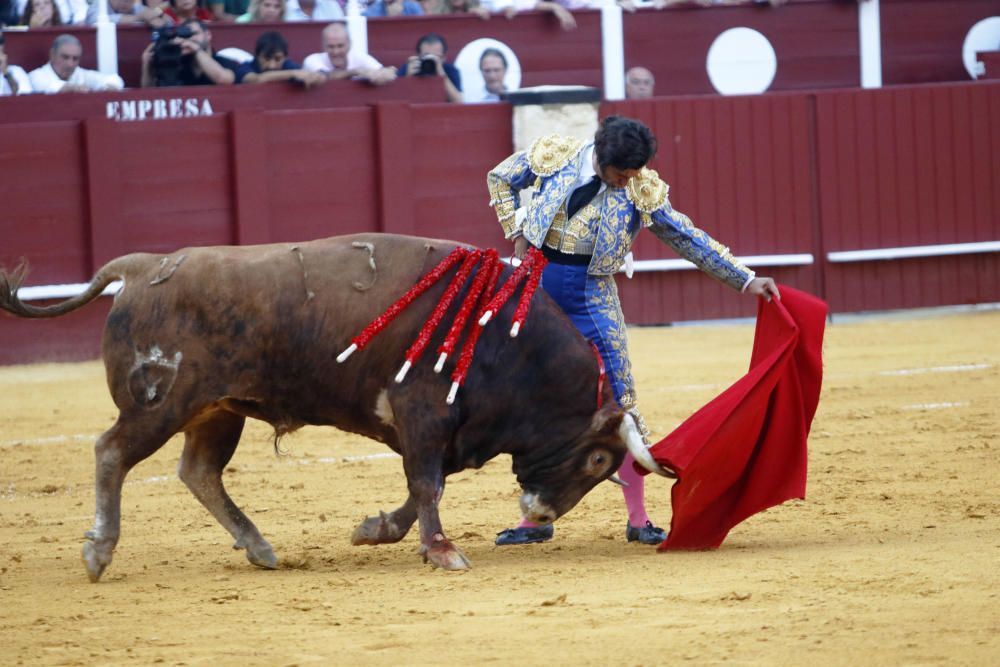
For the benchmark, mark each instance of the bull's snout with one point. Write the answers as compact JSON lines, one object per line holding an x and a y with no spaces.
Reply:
{"x":533,"y":509}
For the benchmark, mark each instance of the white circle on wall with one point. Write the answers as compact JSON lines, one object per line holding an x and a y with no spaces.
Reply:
{"x":984,"y":36}
{"x":741,"y":62}
{"x":467,"y":62}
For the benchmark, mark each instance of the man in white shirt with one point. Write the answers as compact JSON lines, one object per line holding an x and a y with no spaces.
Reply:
{"x":13,"y":80}
{"x":338,"y":61}
{"x":63,"y":74}
{"x":313,"y":10}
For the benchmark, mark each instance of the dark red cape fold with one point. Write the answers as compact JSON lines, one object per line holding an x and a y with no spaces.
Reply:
{"x":746,"y":450}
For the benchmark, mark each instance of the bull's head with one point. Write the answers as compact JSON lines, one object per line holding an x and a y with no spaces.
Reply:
{"x":554,"y":483}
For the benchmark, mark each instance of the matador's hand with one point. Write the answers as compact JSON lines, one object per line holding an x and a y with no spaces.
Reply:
{"x":765,"y":288}
{"x":520,"y":247}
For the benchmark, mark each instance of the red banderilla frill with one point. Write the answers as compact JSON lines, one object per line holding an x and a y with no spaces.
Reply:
{"x":383,"y":320}
{"x":463,"y":313}
{"x":493,"y":267}
{"x":417,"y":349}
{"x":480,"y":296}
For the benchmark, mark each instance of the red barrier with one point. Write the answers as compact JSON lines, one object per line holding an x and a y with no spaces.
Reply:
{"x":777,"y":175}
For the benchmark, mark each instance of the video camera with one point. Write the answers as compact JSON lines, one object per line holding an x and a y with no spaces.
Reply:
{"x":167,"y":58}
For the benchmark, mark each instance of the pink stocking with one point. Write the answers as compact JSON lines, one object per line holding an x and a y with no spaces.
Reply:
{"x":635,"y":493}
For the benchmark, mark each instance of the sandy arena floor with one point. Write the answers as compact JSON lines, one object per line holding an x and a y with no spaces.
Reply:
{"x":893,"y":558}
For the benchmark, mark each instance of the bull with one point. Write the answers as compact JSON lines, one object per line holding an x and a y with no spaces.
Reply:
{"x":202,"y":339}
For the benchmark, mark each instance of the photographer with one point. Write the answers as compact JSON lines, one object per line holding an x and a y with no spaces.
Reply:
{"x":429,"y":61}
{"x":183,"y":56}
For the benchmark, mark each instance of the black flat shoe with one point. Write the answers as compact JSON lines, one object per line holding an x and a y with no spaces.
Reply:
{"x":525,"y":535}
{"x":648,"y":534}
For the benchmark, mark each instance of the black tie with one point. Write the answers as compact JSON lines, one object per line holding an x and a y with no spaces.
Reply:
{"x":582,"y":196}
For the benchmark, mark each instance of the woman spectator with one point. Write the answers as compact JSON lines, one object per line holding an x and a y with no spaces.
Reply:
{"x":264,"y":11}
{"x":41,"y":14}
{"x":182,"y":10}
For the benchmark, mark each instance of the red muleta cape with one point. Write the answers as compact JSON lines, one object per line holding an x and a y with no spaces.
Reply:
{"x":746,"y":450}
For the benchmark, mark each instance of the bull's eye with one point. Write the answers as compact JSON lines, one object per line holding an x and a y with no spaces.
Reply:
{"x":599,"y":462}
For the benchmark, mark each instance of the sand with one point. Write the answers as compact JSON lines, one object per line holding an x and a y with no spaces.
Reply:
{"x":893,"y":558}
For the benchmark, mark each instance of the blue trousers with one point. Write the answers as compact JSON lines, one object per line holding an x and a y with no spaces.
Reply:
{"x":591,"y":302}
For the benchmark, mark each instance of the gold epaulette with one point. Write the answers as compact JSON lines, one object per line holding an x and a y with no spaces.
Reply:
{"x":549,"y":154}
{"x":646,"y":191}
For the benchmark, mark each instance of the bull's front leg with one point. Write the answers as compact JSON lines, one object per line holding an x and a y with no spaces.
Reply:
{"x":426,"y":483}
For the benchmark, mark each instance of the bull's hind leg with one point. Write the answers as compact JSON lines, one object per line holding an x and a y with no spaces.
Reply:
{"x":386,"y":528}
{"x":208,"y":447}
{"x":118,"y":450}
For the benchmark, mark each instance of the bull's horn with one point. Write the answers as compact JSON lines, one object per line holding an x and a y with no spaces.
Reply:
{"x":629,"y":432}
{"x":617,"y":480}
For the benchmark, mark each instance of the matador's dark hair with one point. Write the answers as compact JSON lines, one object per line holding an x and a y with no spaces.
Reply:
{"x":624,"y":143}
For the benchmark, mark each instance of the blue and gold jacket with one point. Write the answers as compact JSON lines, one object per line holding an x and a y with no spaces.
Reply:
{"x":607,"y":227}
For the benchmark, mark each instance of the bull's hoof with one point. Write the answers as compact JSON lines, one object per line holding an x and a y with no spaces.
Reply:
{"x":94,"y":561}
{"x":261,"y":555}
{"x":377,"y":530}
{"x":445,"y":555}
{"x":264,"y":558}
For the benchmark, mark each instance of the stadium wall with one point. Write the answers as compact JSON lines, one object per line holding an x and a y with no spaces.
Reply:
{"x":873,"y":199}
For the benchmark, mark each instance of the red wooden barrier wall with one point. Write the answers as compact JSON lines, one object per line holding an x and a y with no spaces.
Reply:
{"x":922,"y":39}
{"x":816,"y":44}
{"x":775,"y":174}
{"x":910,"y":167}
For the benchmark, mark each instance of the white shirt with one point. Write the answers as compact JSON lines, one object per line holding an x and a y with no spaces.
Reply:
{"x":320,"y":62}
{"x":113,"y":16}
{"x":45,"y":80}
{"x":323,"y":10}
{"x":587,"y":171}
{"x":20,"y":76}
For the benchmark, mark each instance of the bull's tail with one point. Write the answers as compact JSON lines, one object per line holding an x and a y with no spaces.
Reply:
{"x":11,"y":281}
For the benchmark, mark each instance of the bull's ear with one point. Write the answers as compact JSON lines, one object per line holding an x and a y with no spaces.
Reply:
{"x":607,"y":419}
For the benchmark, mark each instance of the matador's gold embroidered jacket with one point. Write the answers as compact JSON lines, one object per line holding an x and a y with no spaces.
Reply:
{"x":552,"y":165}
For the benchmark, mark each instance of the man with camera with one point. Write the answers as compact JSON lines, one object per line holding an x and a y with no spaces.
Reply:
{"x":183,"y":56}
{"x":429,"y":61}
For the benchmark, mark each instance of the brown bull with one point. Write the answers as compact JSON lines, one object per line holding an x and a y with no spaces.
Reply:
{"x":201,"y":339}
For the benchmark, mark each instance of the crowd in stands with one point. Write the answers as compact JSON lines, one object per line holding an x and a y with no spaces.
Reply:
{"x":41,"y":13}
{"x":184,"y":54}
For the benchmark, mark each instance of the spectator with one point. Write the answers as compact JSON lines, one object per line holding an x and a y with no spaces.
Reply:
{"x":187,"y":61}
{"x":41,"y":14}
{"x":639,"y":83}
{"x":430,"y":61}
{"x":63,"y":74}
{"x":13,"y":79}
{"x":70,"y":11}
{"x":229,"y":10}
{"x":264,"y":11}
{"x":493,"y":67}
{"x":271,"y":63}
{"x":182,"y":10}
{"x":394,"y":8}
{"x":129,"y":11}
{"x":313,"y":10}
{"x":455,"y":7}
{"x":338,"y":61}
{"x":8,"y":13}
{"x":558,"y":8}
